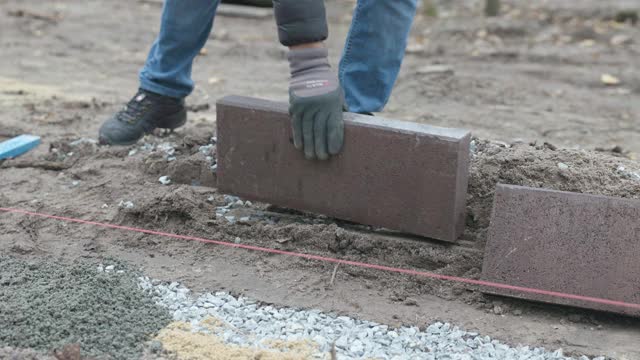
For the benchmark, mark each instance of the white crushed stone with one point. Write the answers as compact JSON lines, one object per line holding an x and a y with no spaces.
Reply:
{"x":627,"y":173}
{"x":164,"y":180}
{"x":206,"y":149}
{"x":125,"y":204}
{"x":253,"y":324}
{"x":167,"y":149}
{"x":232,"y":202}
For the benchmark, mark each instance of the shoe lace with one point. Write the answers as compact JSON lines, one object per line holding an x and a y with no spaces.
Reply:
{"x":134,"y":110}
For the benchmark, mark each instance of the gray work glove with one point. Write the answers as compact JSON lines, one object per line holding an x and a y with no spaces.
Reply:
{"x":315,"y":104}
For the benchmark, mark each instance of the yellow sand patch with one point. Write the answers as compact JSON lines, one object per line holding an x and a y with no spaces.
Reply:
{"x":179,"y":339}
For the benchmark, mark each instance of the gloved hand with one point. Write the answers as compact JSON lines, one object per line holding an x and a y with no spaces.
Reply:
{"x":315,"y":104}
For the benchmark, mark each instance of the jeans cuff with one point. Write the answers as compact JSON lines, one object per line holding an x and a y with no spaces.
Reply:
{"x":149,"y":85}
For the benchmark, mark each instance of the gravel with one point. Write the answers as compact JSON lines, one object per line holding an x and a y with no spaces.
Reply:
{"x":232,"y":202}
{"x":46,"y":305}
{"x":252,"y":324}
{"x":166,"y":149}
{"x":110,"y":309}
{"x":22,"y":354}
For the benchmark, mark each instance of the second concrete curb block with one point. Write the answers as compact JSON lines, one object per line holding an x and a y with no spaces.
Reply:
{"x":565,"y":242}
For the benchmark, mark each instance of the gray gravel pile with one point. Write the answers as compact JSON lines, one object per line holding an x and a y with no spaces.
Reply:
{"x":251,"y":324}
{"x":45,"y":305}
{"x":22,"y":354}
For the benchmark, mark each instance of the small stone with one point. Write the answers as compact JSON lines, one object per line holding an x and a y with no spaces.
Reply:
{"x":251,"y":324}
{"x":357,"y":348}
{"x":517,"y":312}
{"x":342,"y":342}
{"x":320,"y":340}
{"x":558,"y":353}
{"x":620,"y":39}
{"x":414,"y":48}
{"x":609,"y":80}
{"x":563,"y":166}
{"x":229,"y":199}
{"x":205,"y":149}
{"x":473,"y":147}
{"x":497,"y":310}
{"x":155,"y":346}
{"x":109,"y":268}
{"x":228,"y":309}
{"x":237,"y":240}
{"x":435,"y":70}
{"x":125,"y":204}
{"x":164,"y":180}
{"x":411,"y":302}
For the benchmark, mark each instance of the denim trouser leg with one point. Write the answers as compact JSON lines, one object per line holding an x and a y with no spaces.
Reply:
{"x":184,"y":29}
{"x":374,"y":51}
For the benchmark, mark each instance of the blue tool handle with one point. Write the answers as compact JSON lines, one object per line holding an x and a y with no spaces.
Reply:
{"x":17,"y":146}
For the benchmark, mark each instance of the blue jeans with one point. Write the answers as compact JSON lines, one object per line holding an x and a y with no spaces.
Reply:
{"x":370,"y":63}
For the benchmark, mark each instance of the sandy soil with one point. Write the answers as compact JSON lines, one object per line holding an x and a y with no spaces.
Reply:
{"x":528,"y":84}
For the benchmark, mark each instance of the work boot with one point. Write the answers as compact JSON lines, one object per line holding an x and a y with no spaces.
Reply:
{"x":145,"y":112}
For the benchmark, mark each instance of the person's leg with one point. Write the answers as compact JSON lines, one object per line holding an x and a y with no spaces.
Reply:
{"x":165,"y":79}
{"x":374,"y":51}
{"x":184,"y":29}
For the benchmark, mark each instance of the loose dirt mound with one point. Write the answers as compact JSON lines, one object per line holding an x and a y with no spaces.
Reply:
{"x":590,"y":172}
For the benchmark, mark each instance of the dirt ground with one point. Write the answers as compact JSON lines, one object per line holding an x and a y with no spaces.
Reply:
{"x":527,"y":83}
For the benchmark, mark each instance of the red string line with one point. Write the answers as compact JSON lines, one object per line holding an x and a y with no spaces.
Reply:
{"x":337,"y":261}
